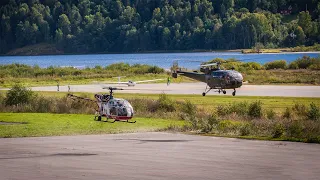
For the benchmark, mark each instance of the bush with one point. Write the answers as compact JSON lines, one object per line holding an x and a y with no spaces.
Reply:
{"x":246,"y":129}
{"x":190,"y":111}
{"x":314,"y":112}
{"x":166,"y":104}
{"x":315,"y":66}
{"x":279,"y":64}
{"x":300,"y":109}
{"x":240,"y":108}
{"x":155,"y":70}
{"x":287,"y":113}
{"x":223,"y":110}
{"x":1,"y":98}
{"x":304,"y":63}
{"x":209,"y":123}
{"x":278,"y":130}
{"x":255,"y":110}
{"x":229,"y":126}
{"x":293,"y":65}
{"x":44,"y":105}
{"x":271,"y":114}
{"x":295,"y":129}
{"x":252,"y":66}
{"x":19,"y":95}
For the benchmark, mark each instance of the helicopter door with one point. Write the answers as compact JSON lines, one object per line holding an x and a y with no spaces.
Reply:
{"x":218,"y":79}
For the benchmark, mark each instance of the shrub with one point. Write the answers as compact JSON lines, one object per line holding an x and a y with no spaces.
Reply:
{"x":44,"y":105}
{"x":190,"y":110}
{"x":304,"y":62}
{"x":140,"y":105}
{"x":270,"y":114}
{"x":166,"y":104}
{"x":229,"y":126}
{"x":315,"y":66}
{"x":279,"y":64}
{"x":1,"y":98}
{"x":278,"y":130}
{"x":293,"y":65}
{"x":295,"y":129}
{"x":255,"y":109}
{"x":252,"y":66}
{"x":300,"y":109}
{"x":287,"y":113}
{"x":209,"y":123}
{"x":313,"y":139}
{"x":240,"y":108}
{"x":314,"y":112}
{"x":223,"y":110}
{"x":19,"y":95}
{"x":246,"y":129}
{"x":155,"y":70}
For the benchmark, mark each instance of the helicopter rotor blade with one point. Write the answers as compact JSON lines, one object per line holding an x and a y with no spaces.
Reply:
{"x":112,"y":88}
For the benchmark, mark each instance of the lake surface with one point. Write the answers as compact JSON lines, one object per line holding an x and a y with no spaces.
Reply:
{"x":163,"y":60}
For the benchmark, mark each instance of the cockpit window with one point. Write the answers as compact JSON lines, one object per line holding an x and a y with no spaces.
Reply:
{"x":217,"y":74}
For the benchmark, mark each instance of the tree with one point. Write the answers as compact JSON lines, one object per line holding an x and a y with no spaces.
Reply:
{"x":64,"y":24}
{"x":166,"y":38}
{"x":300,"y":36}
{"x":198,"y":22}
{"x":259,"y":46}
{"x":304,"y":21}
{"x":59,"y":35}
{"x":229,"y":3}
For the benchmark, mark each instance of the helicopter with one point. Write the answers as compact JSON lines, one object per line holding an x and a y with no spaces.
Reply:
{"x":213,"y":76}
{"x":110,"y":107}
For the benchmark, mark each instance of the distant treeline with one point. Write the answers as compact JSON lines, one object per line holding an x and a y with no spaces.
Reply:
{"x":96,"y":26}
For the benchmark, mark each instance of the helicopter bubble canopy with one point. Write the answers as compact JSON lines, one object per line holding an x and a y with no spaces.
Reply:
{"x":119,"y":107}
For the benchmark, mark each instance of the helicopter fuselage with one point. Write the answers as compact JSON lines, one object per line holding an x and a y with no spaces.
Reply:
{"x":224,"y":79}
{"x":215,"y":79}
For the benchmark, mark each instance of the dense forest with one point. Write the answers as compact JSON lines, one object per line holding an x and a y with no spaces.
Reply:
{"x":97,"y":26}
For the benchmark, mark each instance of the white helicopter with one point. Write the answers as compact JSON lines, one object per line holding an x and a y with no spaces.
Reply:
{"x":107,"y":106}
{"x":132,"y":83}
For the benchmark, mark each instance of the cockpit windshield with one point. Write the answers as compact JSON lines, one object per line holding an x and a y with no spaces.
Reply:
{"x":218,"y":74}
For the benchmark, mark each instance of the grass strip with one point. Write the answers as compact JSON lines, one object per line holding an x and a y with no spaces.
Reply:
{"x":45,"y":124}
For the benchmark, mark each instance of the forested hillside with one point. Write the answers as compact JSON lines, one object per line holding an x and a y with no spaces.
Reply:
{"x":96,"y":26}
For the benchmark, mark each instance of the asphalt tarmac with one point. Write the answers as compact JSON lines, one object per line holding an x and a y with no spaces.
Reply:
{"x":196,"y":88}
{"x":149,"y":156}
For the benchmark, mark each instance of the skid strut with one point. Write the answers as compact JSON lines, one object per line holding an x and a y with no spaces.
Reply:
{"x":206,"y":91}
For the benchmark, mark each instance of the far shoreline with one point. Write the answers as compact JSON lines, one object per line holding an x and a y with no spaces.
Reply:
{"x":46,"y":49}
{"x":161,"y":52}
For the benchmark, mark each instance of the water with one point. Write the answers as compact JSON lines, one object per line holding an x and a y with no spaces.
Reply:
{"x":164,"y":60}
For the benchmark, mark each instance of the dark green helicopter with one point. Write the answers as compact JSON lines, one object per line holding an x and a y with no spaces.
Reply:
{"x":213,"y":76}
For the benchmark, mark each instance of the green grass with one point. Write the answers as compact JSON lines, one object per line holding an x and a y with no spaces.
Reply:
{"x":44,"y":124}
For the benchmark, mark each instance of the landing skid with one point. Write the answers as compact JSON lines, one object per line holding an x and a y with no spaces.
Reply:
{"x":99,"y":118}
{"x":219,"y":91}
{"x":206,"y":91}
